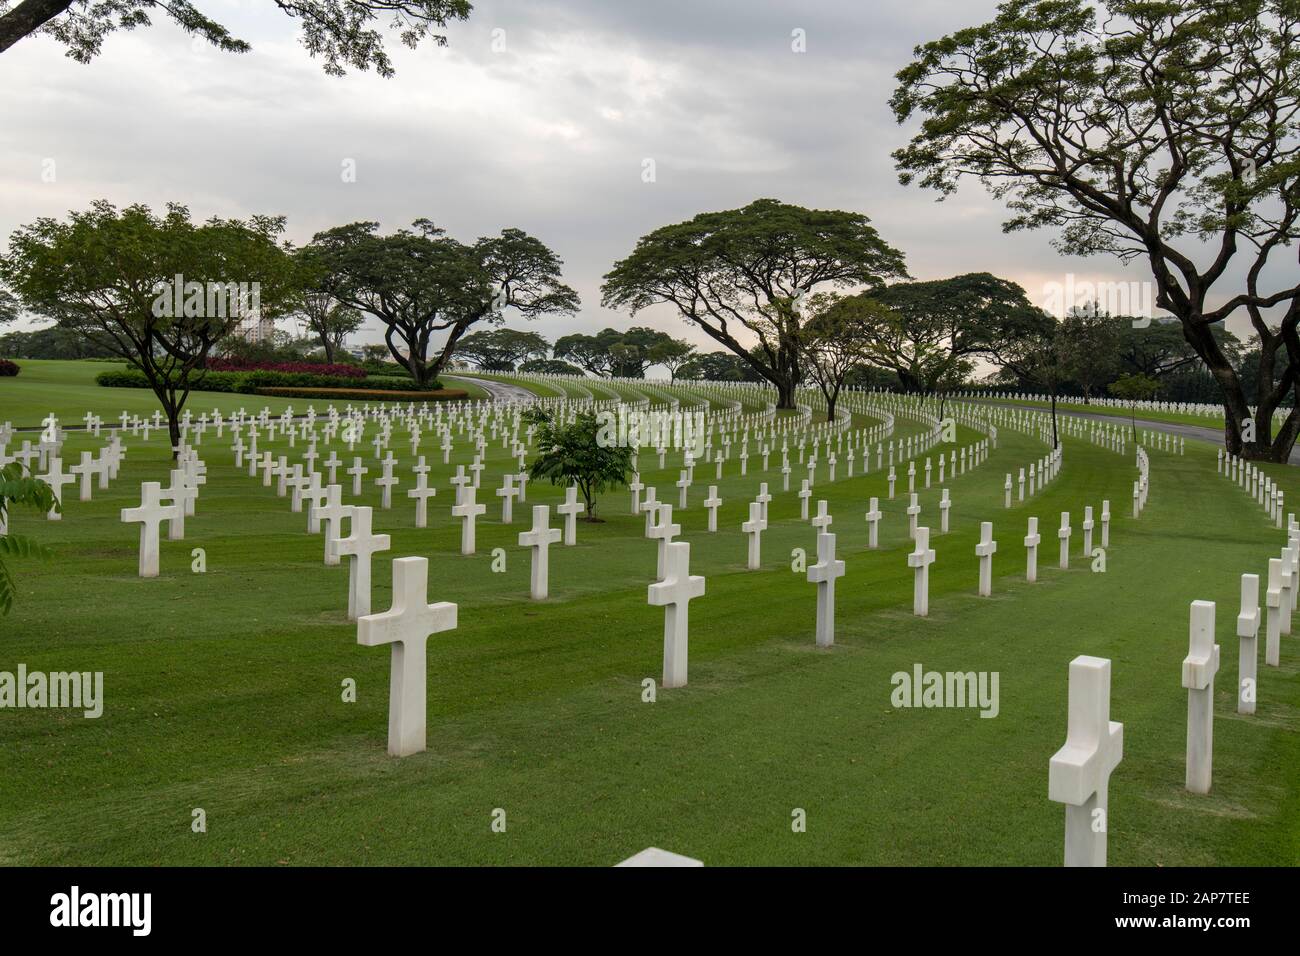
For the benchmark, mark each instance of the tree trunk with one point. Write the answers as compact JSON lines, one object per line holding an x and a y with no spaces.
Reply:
{"x":1056,"y":442}
{"x":28,"y":17}
{"x":1236,"y":409}
{"x":784,"y":393}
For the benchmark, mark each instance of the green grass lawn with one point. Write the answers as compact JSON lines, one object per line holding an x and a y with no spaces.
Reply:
{"x":1123,"y":414}
{"x":68,"y":389}
{"x":223,"y":690}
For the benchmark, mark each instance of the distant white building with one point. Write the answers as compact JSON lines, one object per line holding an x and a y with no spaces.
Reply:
{"x":256,"y":328}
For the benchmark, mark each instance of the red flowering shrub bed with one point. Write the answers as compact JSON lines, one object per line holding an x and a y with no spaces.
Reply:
{"x":367,"y":394}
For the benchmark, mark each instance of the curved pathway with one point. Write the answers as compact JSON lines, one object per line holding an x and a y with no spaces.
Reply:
{"x":1197,"y":432}
{"x":500,"y":391}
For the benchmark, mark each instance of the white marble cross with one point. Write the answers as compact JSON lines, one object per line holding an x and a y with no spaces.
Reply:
{"x":683,"y":484}
{"x":664,"y":531}
{"x":651,"y":508}
{"x":407,"y":626}
{"x":313,"y":493}
{"x":540,"y":539}
{"x":422,"y":492}
{"x":674,"y":594}
{"x":86,"y":470}
{"x":332,"y":514}
{"x":1105,"y":523}
{"x":763,"y":498}
{"x":460,"y":480}
{"x":386,"y":481}
{"x":356,"y":471}
{"x":56,"y":478}
{"x":920,"y":560}
{"x":754,"y":527}
{"x":361,"y":545}
{"x":873,"y":524}
{"x":1006,"y":489}
{"x":571,"y":508}
{"x":151,"y":513}
{"x":1079,"y":773}
{"x":944,"y":504}
{"x":1273,"y":598}
{"x":468,"y":510}
{"x":1064,"y":534}
{"x":635,"y":487}
{"x":177,"y":493}
{"x":507,"y":493}
{"x":823,"y":574}
{"x":1032,"y":540}
{"x":331,"y":464}
{"x":913,"y":516}
{"x":1199,"y":668}
{"x":805,"y":493}
{"x":822,"y":520}
{"x":712,"y":503}
{"x":985,"y":551}
{"x":1248,"y":651}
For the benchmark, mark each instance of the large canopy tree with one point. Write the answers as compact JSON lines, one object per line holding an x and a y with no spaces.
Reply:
{"x":109,"y":275}
{"x":626,"y":354}
{"x":421,"y":282}
{"x":342,"y":32}
{"x":835,"y":339}
{"x":502,"y":350}
{"x":931,"y":332}
{"x":1155,"y":131}
{"x":746,"y":274}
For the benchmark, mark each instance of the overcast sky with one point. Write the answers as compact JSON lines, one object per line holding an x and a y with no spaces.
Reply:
{"x":548,"y":134}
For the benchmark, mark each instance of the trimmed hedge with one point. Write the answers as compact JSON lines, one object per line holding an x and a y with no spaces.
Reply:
{"x":8,"y":368}
{"x":367,"y":394}
{"x":337,"y":370}
{"x":252,"y":382}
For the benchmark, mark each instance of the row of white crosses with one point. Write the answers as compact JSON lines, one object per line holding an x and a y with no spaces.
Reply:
{"x":1260,"y":486}
{"x":180,"y":495}
{"x":1163,"y":441}
{"x":1079,"y":772}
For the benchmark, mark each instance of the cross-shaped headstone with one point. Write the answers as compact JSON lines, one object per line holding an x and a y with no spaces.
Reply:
{"x":985,"y":550}
{"x":823,"y":574}
{"x":422,"y":492}
{"x":361,"y":544}
{"x":1248,"y":650}
{"x":754,"y":527}
{"x":674,"y":593}
{"x":712,"y":503}
{"x":332,"y":513}
{"x":1079,"y":773}
{"x":150,"y":514}
{"x":407,"y":626}
{"x":1199,"y":668}
{"x":920,"y":560}
{"x":1032,"y":541}
{"x":540,"y":539}
{"x":356,"y":471}
{"x":822,"y":520}
{"x":507,"y":493}
{"x":1064,"y":534}
{"x":664,"y":531}
{"x":467,"y":510}
{"x":571,"y":508}
{"x":873,"y":524}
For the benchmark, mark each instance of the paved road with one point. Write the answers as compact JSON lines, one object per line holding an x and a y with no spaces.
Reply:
{"x":500,"y":391}
{"x":1213,"y":435}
